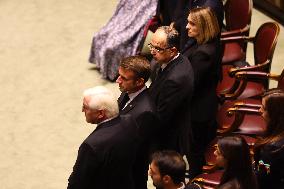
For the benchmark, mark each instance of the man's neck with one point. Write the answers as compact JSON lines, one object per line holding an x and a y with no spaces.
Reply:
{"x":174,"y":186}
{"x":138,"y":89}
{"x":170,"y":60}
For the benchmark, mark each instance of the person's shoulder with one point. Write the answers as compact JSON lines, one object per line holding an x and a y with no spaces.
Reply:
{"x":210,"y":47}
{"x":232,"y":184}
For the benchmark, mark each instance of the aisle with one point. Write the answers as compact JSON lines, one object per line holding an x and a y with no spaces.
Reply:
{"x":44,"y":47}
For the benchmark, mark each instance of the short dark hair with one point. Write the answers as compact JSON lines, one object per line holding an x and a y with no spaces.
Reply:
{"x":138,"y":64}
{"x":172,"y":36}
{"x":170,"y":163}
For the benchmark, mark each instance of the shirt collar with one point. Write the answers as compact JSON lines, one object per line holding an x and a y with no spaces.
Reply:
{"x":163,"y":66}
{"x":133,"y":95}
{"x":106,"y":120}
{"x":182,"y":187}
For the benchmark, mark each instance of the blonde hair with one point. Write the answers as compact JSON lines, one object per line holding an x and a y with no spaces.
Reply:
{"x":206,"y":21}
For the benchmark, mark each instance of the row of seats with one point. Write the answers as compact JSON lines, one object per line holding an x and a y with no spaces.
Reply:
{"x":243,"y":83}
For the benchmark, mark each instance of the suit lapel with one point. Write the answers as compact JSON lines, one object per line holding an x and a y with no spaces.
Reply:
{"x":161,"y":77}
{"x":132,"y":104}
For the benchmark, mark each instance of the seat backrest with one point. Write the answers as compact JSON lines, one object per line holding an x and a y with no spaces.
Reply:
{"x":265,"y":41}
{"x":238,"y":14}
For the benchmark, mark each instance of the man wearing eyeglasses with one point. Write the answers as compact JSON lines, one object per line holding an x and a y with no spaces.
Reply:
{"x":172,"y":91}
{"x":134,"y":72}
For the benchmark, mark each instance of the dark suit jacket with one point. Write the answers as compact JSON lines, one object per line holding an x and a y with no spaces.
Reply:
{"x":206,"y":63}
{"x":143,"y":110}
{"x":171,"y":10}
{"x":172,"y":92}
{"x":106,"y":156}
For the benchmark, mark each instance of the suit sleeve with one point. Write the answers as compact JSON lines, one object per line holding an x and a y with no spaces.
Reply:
{"x":86,"y":164}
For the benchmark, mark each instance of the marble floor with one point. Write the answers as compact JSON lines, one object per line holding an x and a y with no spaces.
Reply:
{"x":44,"y":48}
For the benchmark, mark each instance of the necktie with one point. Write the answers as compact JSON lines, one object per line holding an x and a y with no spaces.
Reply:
{"x":124,"y":101}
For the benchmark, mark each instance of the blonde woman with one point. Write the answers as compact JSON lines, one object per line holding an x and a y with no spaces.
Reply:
{"x":204,"y":55}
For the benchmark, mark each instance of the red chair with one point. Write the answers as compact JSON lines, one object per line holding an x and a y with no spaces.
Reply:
{"x":152,"y":25}
{"x":208,"y":180}
{"x":264,"y":43}
{"x":238,"y":19}
{"x":242,"y":116}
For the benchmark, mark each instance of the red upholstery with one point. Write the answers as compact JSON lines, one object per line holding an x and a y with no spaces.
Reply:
{"x":232,"y":52}
{"x":264,"y":44}
{"x":238,"y":19}
{"x":237,"y":13}
{"x":152,"y":25}
{"x":223,"y":119}
{"x":209,"y":181}
{"x":264,"y":49}
{"x":247,"y":124}
{"x":226,"y":82}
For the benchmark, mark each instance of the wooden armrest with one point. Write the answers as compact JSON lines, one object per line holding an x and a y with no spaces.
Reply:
{"x":244,"y":110}
{"x":239,"y":114}
{"x":258,"y":67}
{"x":236,"y":32}
{"x":246,"y":105}
{"x":242,"y":38}
{"x":249,"y":75}
{"x":206,"y":181}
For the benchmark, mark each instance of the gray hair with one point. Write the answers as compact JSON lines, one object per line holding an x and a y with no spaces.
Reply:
{"x":102,"y":99}
{"x":172,"y":35}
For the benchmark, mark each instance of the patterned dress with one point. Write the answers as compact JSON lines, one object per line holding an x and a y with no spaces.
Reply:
{"x":121,"y":36}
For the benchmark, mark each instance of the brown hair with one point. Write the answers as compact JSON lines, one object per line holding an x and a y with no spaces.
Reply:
{"x":207,"y":23}
{"x":274,"y":103}
{"x":138,"y":64}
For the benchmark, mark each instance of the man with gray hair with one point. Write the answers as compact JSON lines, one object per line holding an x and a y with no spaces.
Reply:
{"x":106,"y":156}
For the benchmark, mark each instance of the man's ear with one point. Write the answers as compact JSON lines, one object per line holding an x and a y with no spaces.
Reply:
{"x":101,"y":114}
{"x":140,"y":82}
{"x":167,"y":179}
{"x":174,"y":50}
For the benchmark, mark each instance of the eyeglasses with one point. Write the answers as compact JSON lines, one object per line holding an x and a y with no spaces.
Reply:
{"x":158,"y":49}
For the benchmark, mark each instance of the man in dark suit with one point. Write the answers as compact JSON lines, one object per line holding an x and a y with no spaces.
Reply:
{"x":106,"y":156}
{"x":134,"y":72}
{"x":172,"y":91}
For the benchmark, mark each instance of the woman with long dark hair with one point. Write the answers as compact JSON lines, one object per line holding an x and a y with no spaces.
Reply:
{"x":269,"y":150}
{"x":232,"y":153}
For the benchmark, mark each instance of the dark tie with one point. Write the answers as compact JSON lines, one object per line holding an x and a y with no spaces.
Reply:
{"x":158,"y":74}
{"x":124,"y":101}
